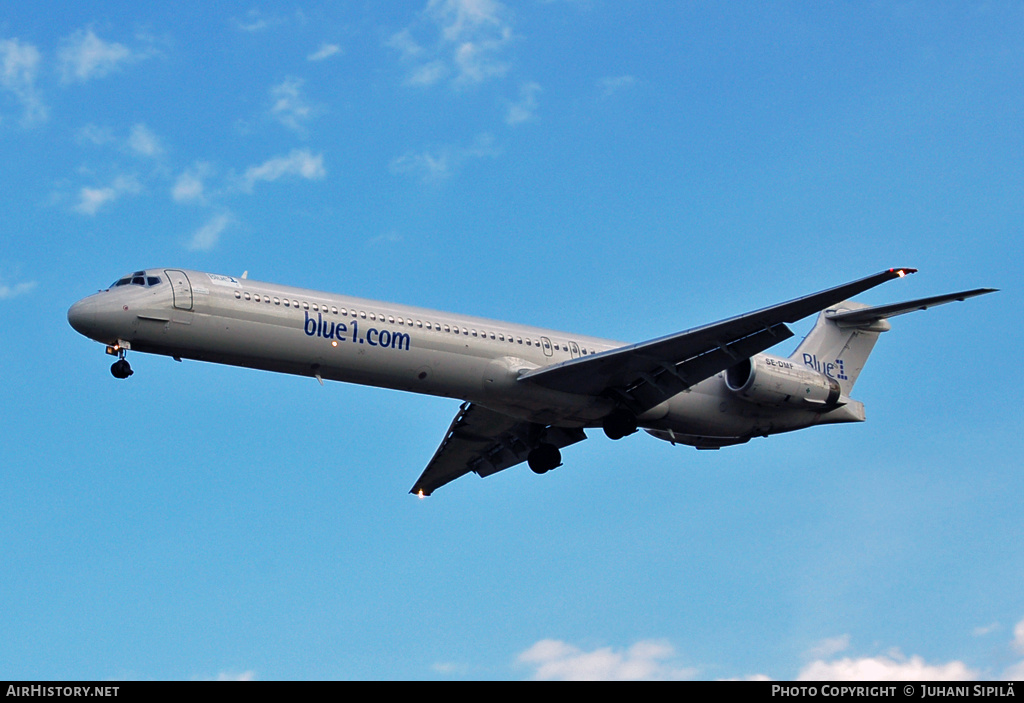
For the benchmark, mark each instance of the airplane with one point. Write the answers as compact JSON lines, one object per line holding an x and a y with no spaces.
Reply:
{"x":527,"y":392}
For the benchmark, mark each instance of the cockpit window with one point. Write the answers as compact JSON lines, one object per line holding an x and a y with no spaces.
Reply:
{"x":139,"y":278}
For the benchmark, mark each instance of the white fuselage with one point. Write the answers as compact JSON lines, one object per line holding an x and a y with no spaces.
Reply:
{"x":249,"y":323}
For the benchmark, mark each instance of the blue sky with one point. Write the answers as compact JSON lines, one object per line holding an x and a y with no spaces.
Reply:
{"x":619,"y":169}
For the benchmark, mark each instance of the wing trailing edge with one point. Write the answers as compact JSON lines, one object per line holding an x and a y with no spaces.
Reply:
{"x":645,"y":374}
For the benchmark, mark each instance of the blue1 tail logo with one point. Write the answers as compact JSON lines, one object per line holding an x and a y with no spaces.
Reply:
{"x":832,"y":369}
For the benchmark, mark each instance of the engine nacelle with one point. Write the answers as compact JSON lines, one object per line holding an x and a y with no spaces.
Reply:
{"x":768,"y":380}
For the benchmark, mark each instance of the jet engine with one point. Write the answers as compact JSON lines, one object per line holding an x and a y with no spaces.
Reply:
{"x":768,"y":380}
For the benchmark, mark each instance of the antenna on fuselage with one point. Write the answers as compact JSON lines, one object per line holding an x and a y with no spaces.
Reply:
{"x":245,"y":275}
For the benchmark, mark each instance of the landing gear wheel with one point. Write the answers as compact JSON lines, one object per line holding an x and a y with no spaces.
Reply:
{"x":121,"y":369}
{"x":619,"y":423}
{"x":543,"y":458}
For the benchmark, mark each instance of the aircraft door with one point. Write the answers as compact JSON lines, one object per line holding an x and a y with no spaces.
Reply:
{"x":182,"y":288}
{"x":545,"y":344}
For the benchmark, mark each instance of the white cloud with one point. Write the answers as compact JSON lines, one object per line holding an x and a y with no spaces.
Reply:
{"x":389,"y":237}
{"x":324,"y":52}
{"x":84,"y":56}
{"x":438,"y":163}
{"x":427,"y":74}
{"x":985,"y":630}
{"x":466,"y":20}
{"x":885,"y":668}
{"x":96,"y":135}
{"x":290,"y":108}
{"x":450,"y":668}
{"x":190,"y":185}
{"x":256,"y":21}
{"x":610,"y":85}
{"x":403,"y":41}
{"x":207,"y":236}
{"x":237,"y":676}
{"x":19,"y":65}
{"x":90,"y":200}
{"x":828,"y":647}
{"x":469,"y":38}
{"x":524,"y":109}
{"x":645,"y":660}
{"x":300,"y":163}
{"x":143,"y":142}
{"x":1015,"y":672}
{"x":7,"y":291}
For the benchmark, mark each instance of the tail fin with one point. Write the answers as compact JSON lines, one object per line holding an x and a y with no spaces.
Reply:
{"x":837,"y":350}
{"x":844,"y":335}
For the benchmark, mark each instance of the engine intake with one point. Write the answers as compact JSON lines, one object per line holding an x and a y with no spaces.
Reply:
{"x":768,"y":380}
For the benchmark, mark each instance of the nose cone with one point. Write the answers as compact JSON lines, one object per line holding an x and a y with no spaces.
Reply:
{"x":82,"y":316}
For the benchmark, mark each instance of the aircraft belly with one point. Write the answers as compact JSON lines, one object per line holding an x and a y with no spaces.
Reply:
{"x":709,"y":410}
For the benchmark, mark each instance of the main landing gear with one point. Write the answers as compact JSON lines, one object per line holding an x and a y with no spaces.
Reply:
{"x":120,"y":368}
{"x":619,"y":423}
{"x":543,"y":458}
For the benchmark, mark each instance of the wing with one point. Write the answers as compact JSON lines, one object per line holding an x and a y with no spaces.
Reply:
{"x":486,"y":442}
{"x":643,"y":375}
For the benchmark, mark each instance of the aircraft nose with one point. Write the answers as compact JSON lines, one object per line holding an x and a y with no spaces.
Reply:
{"x":82,"y":316}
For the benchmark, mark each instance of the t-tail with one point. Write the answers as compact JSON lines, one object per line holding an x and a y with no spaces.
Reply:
{"x":844,"y":335}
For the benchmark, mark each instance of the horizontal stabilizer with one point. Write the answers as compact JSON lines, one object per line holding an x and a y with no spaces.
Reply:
{"x":868,"y":315}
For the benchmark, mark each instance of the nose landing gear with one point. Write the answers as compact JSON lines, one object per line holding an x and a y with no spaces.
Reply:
{"x":120,"y":368}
